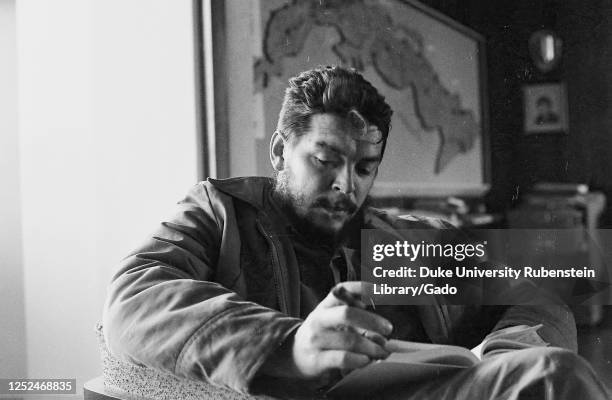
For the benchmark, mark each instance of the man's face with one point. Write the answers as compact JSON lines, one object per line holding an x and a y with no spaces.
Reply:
{"x":543,"y":107}
{"x":326,"y":175}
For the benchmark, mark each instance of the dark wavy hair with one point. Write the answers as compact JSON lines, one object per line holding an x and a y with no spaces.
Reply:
{"x":335,"y":90}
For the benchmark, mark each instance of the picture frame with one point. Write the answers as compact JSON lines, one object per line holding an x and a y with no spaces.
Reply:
{"x":439,"y":142}
{"x":545,"y":109}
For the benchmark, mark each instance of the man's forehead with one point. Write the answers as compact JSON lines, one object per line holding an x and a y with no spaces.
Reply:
{"x":337,"y":134}
{"x":369,"y":151}
{"x":353,"y":124}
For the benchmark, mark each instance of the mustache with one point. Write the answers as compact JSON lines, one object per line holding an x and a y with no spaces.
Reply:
{"x":339,"y":204}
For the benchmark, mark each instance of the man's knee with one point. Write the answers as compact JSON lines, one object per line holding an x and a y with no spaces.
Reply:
{"x":560,"y":357}
{"x":562,"y":373}
{"x":535,"y":373}
{"x":541,"y":356}
{"x":562,"y":360}
{"x":553,"y":362}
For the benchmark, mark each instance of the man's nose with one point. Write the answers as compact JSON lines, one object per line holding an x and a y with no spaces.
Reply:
{"x":345,"y":181}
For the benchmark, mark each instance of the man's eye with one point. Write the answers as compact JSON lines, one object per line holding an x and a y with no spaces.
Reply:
{"x":363,"y":171}
{"x":322,"y":162}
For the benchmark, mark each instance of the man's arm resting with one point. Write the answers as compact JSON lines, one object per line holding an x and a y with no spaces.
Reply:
{"x":193,"y":329}
{"x":163,"y":310}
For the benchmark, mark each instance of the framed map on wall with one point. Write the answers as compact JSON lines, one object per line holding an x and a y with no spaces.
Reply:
{"x":429,"y":68}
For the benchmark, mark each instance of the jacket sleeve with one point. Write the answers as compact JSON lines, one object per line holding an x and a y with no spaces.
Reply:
{"x":164,"y":311}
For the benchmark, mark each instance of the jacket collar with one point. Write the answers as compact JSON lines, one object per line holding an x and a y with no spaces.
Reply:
{"x":251,"y":189}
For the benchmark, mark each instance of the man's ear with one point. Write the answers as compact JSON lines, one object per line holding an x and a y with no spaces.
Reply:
{"x":277,"y":148}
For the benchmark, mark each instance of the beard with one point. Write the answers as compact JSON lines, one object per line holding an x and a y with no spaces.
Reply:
{"x":296,"y":206}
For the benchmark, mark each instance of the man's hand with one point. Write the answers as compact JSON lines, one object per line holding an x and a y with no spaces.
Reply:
{"x":338,"y":335}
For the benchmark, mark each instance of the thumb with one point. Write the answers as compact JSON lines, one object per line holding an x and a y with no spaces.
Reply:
{"x":347,"y":293}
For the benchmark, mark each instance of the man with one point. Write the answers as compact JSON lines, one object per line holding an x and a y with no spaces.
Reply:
{"x":545,"y":114}
{"x":236,"y":288}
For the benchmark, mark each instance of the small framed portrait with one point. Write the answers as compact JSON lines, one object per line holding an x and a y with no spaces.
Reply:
{"x":545,"y":108}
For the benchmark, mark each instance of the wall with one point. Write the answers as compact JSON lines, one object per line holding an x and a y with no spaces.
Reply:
{"x":586,"y":28}
{"x":517,"y":161}
{"x":12,"y":341}
{"x":243,"y":34}
{"x":584,"y":154}
{"x":107,"y":146}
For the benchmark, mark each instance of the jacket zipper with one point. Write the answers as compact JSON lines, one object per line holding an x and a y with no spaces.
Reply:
{"x":278,"y":271}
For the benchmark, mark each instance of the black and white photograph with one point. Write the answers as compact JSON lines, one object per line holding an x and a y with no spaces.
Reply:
{"x":306,"y":199}
{"x":545,"y":108}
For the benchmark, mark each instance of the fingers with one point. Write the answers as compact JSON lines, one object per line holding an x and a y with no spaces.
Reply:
{"x":343,"y":360}
{"x":355,"y":318}
{"x":339,"y":334}
{"x":339,"y":294}
{"x":348,"y":293}
{"x":357,"y":287}
{"x":352,"y":341}
{"x":375,"y":337}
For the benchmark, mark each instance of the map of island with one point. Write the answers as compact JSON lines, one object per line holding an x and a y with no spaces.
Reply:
{"x":369,"y":37}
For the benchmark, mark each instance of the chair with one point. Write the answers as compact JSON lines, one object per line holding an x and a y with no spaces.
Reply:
{"x":125,"y":381}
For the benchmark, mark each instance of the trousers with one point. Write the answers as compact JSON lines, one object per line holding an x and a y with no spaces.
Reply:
{"x":543,"y":373}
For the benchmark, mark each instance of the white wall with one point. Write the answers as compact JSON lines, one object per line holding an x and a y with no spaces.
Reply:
{"x":246,"y":111}
{"x":108,"y":145}
{"x":12,"y":321}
